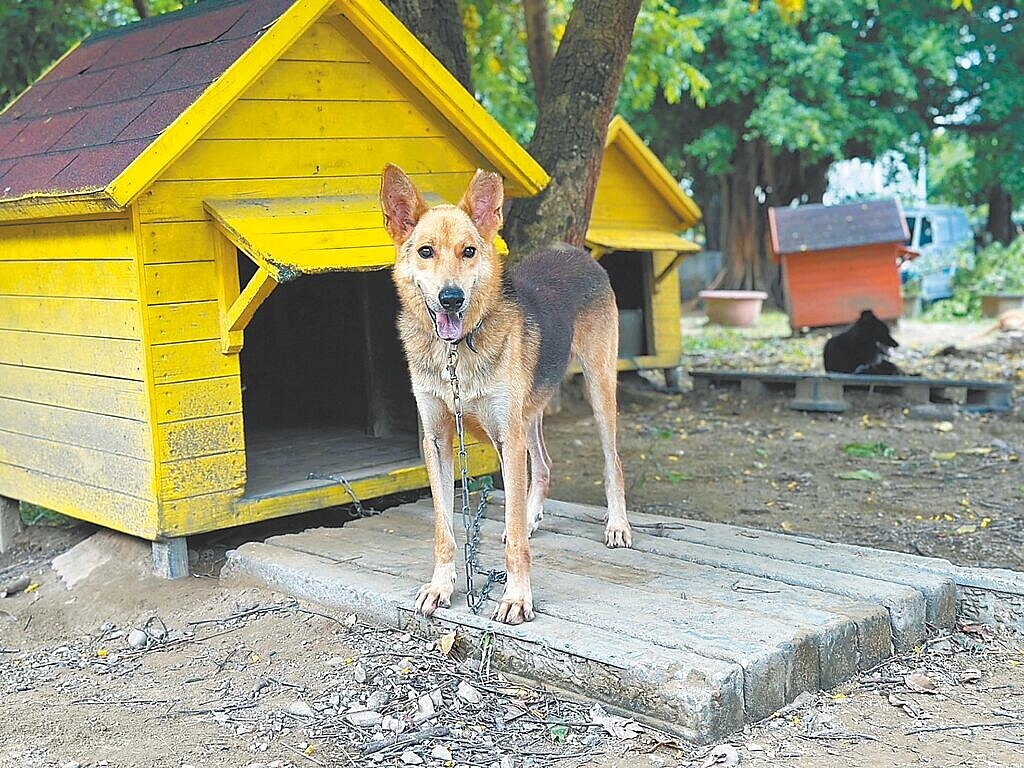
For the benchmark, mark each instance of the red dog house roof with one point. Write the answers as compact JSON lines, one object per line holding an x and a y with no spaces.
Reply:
{"x":100,"y":106}
{"x":825,"y":227}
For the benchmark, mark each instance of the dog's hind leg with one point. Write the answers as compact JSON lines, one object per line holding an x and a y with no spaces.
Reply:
{"x":540,"y":472}
{"x":596,"y":345}
{"x":438,"y":435}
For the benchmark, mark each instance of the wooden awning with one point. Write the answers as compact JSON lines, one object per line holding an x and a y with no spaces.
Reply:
{"x":288,"y":237}
{"x":639,"y":240}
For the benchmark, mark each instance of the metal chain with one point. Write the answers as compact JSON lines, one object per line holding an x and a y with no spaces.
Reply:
{"x":471,"y":521}
{"x":340,"y":479}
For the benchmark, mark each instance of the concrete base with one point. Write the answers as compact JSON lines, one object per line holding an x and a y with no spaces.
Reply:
{"x":10,"y":522}
{"x":699,"y":628}
{"x":170,"y":558}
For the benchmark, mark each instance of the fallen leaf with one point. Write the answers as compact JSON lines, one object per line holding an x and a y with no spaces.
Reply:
{"x":920,"y":683}
{"x":970,"y":676}
{"x":724,"y":755}
{"x":618,"y":727}
{"x":944,"y":426}
{"x":865,"y":475}
{"x":908,"y":707}
{"x":869,"y":450}
{"x":446,"y":642}
{"x":558,"y":733}
{"x":943,"y":455}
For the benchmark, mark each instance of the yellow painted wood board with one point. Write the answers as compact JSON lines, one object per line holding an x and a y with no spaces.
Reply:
{"x":177,"y":201}
{"x":112,"y":471}
{"x":622,"y":239}
{"x":116,"y":358}
{"x":124,"y":437}
{"x":112,"y":318}
{"x":95,"y":279}
{"x":181,"y":282}
{"x":80,"y":500}
{"x":202,"y":475}
{"x":191,"y":321}
{"x":223,"y":510}
{"x":178,"y":440}
{"x":196,"y":399}
{"x":113,"y":397}
{"x":87,"y":240}
{"x":191,"y":360}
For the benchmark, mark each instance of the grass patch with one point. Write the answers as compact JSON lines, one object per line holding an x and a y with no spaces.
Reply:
{"x":33,"y":514}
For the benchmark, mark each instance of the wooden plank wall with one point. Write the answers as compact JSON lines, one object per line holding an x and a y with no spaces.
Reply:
{"x":74,"y":433}
{"x":323,"y":120}
{"x":625,"y":199}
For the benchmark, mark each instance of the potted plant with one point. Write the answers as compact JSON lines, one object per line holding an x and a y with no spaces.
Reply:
{"x":738,"y":309}
{"x":1000,"y":278}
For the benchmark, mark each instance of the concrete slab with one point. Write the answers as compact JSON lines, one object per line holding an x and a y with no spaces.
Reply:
{"x":698,"y":629}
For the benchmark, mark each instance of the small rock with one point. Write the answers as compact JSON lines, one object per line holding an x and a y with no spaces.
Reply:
{"x":411,"y":758}
{"x":406,"y":637}
{"x":441,"y":752}
{"x":424,"y":709}
{"x":300,"y":709}
{"x":468,"y":693}
{"x":71,"y":764}
{"x":364,"y":718}
{"x":376,"y":700}
{"x":506,"y":762}
{"x":138,"y":639}
{"x":437,"y":698}
{"x":336,"y":661}
{"x":359,"y":673}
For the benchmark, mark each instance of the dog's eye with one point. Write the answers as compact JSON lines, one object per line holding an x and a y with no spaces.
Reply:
{"x":426,"y":252}
{"x":468,"y":252}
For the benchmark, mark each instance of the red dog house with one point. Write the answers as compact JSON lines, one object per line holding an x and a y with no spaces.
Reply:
{"x":838,"y":260}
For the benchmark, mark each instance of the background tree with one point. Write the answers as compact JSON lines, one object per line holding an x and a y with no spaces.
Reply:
{"x":788,"y":99}
{"x":985,"y":115}
{"x":33,"y":33}
{"x":438,"y":25}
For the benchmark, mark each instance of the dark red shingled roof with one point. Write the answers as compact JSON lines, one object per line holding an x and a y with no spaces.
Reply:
{"x":78,"y":127}
{"x":823,"y":227}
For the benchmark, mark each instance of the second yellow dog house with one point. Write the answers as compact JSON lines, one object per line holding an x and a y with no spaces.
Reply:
{"x":168,"y":185}
{"x":638,"y":215}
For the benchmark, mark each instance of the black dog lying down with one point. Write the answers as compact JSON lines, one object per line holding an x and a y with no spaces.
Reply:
{"x":862,"y":348}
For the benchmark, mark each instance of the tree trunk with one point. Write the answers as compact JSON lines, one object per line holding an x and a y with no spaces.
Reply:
{"x":1000,"y":209}
{"x":141,"y":8}
{"x":572,"y":124}
{"x":438,"y":26}
{"x":539,"y":47}
{"x":758,"y":181}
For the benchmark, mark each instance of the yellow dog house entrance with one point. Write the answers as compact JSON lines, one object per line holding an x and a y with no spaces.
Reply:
{"x":639,"y":211}
{"x":193,"y":287}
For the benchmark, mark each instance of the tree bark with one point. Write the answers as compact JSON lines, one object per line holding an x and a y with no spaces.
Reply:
{"x":1000,"y":210}
{"x":759,"y":180}
{"x":438,"y":25}
{"x":539,"y":47}
{"x":141,"y":8}
{"x":572,"y":124}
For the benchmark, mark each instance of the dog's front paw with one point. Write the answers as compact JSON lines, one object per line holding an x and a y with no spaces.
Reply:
{"x":618,"y":534}
{"x":438,"y":591}
{"x":516,"y":605}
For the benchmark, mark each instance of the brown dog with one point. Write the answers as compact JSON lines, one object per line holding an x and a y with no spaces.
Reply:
{"x":524,"y":326}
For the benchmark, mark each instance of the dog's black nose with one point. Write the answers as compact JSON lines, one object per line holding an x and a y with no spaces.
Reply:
{"x":451,"y":298}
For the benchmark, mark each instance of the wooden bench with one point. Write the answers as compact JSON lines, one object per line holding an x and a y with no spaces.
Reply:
{"x":824,"y":392}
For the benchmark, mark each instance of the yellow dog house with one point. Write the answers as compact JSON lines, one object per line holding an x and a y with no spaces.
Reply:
{"x":167,"y":185}
{"x":639,"y":211}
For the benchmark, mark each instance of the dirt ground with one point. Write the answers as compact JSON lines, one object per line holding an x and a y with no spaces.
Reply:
{"x":127,"y":670}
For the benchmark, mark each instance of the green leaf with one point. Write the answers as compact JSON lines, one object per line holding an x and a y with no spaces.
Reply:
{"x":558,"y":733}
{"x":678,"y":477}
{"x":864,"y":475}
{"x":869,"y":450}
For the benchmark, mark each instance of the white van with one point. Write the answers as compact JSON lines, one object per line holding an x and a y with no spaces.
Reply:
{"x":938,"y":233}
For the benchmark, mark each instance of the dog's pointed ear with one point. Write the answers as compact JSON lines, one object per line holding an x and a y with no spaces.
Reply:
{"x":483,"y":201}
{"x":401,"y":203}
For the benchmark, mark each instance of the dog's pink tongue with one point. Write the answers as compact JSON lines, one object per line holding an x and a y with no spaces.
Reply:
{"x":449,"y":326}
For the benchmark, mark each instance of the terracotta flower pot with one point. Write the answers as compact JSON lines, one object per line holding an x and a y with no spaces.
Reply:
{"x":994,"y":304}
{"x":738,"y":309}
